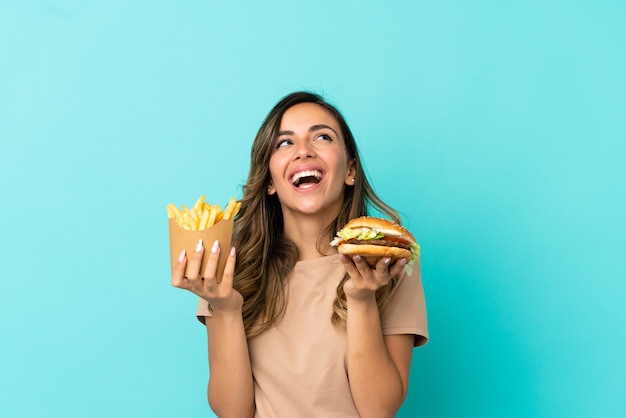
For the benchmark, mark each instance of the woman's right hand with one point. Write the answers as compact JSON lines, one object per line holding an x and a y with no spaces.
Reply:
{"x":221,"y":296}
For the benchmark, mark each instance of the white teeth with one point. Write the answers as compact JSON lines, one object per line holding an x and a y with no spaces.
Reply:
{"x":308,"y":173}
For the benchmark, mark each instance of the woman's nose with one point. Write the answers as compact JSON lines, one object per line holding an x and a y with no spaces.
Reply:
{"x":304,"y":150}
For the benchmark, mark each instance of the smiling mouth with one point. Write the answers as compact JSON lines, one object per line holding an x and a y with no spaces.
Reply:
{"x":306,"y":178}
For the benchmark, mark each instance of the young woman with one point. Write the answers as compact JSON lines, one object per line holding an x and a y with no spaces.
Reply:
{"x":295,"y":329}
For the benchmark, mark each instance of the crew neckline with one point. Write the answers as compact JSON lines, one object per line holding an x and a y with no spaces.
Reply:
{"x":319,"y":260}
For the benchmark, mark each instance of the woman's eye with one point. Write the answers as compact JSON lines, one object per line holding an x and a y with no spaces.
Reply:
{"x":282,"y":143}
{"x":325,"y":137}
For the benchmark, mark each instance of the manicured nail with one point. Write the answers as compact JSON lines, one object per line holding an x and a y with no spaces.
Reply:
{"x":402,"y":261}
{"x":387,"y":261}
{"x":181,"y":256}
{"x":232,"y":251}
{"x":215,"y":247}
{"x":357,"y":258}
{"x":199,"y":245}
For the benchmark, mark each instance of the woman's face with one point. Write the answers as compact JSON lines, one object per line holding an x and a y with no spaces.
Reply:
{"x":309,"y":166}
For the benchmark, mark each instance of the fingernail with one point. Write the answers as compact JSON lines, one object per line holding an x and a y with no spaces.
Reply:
{"x":232,"y":251}
{"x":357,"y":258}
{"x":181,"y":256}
{"x":215,"y":247}
{"x":199,"y":245}
{"x":402,"y":261}
{"x":387,"y":261}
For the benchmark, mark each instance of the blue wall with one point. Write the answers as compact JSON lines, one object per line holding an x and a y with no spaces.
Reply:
{"x":497,"y":128}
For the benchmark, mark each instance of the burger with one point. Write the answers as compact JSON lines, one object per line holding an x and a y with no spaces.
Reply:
{"x":375,"y":238}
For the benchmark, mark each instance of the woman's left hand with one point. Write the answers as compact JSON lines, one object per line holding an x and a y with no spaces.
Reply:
{"x":365,"y":280}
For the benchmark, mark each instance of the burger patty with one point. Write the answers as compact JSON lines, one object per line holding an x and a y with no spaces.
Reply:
{"x":383,"y":242}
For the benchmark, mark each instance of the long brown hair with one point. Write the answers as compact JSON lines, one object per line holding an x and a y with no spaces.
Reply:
{"x":265,"y":257}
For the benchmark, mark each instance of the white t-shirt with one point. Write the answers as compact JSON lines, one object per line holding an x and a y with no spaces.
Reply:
{"x":299,"y":365}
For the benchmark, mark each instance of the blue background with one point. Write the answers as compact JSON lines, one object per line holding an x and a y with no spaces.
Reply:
{"x":497,"y":129}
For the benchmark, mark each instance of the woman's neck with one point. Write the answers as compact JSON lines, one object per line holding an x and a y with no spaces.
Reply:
{"x":306,"y":232}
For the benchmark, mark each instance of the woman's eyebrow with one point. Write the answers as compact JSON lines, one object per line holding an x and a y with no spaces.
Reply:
{"x":318,"y":127}
{"x":311,"y":129}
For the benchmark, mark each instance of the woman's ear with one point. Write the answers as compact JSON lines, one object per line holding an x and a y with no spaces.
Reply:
{"x":351,"y":173}
{"x":271,"y":189}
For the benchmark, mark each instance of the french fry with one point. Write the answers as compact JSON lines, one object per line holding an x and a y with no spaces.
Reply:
{"x":199,"y":203}
{"x":204,"y":220}
{"x":171,"y":211}
{"x":187,"y":221}
{"x":212,"y":215}
{"x":202,"y":215}
{"x":229,"y":208}
{"x":193,"y":216}
{"x":185,"y":225}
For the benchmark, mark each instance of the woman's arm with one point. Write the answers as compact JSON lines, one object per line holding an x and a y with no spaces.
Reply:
{"x":230,"y":390}
{"x":378,"y":367}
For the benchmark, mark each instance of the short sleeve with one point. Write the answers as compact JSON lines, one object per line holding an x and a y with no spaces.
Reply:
{"x":203,"y":310}
{"x":405,"y":313}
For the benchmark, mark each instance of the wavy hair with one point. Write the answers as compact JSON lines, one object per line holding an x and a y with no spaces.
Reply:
{"x":265,"y":257}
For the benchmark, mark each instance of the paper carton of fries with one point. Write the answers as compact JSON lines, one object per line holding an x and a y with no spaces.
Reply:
{"x":201,"y":221}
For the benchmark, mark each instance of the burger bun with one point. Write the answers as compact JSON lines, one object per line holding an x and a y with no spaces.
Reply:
{"x":372,"y":253}
{"x":385,"y":226}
